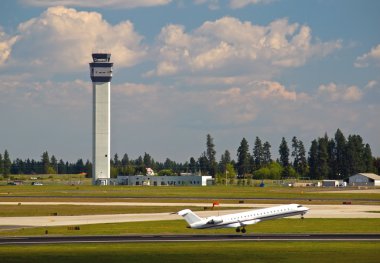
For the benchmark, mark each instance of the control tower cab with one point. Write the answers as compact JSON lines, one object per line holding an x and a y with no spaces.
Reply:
{"x":101,"y":68}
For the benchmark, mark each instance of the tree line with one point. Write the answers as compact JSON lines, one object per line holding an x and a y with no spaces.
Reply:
{"x":327,"y":158}
{"x":46,"y":165}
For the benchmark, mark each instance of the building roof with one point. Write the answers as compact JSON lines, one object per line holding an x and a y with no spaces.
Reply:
{"x":370,"y":175}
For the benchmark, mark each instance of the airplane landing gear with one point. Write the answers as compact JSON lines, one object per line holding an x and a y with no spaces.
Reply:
{"x":302,"y":217}
{"x":238,"y":230}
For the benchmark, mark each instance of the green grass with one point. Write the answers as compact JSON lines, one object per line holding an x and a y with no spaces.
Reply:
{"x":320,"y":252}
{"x":210,"y":192}
{"x":73,"y":210}
{"x":308,"y":225}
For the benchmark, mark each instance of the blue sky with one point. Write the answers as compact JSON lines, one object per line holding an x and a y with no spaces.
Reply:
{"x":233,"y":68}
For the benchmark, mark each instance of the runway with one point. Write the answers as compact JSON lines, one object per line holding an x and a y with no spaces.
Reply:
{"x":186,"y":238}
{"x":316,"y":211}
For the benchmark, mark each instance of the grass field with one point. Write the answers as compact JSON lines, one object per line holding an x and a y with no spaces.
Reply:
{"x":320,"y":252}
{"x":71,"y":210}
{"x":210,"y":192}
{"x":312,"y":225}
{"x":261,"y":251}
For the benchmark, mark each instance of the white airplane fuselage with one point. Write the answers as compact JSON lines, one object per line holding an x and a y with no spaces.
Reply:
{"x":240,"y":220}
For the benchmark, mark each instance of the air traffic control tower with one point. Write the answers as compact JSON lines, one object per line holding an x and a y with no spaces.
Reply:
{"x":101,"y":75}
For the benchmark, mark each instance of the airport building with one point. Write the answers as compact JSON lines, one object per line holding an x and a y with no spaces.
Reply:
{"x":333,"y":183}
{"x":182,"y":180}
{"x":364,"y":179}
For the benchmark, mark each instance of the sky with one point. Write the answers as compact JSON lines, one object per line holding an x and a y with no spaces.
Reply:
{"x":185,"y":69}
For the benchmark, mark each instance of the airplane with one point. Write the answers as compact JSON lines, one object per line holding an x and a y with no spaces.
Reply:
{"x":243,"y":219}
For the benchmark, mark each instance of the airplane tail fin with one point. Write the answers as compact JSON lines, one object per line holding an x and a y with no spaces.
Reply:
{"x":189,"y":216}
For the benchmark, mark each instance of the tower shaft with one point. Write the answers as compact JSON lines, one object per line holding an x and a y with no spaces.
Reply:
{"x":101,"y":132}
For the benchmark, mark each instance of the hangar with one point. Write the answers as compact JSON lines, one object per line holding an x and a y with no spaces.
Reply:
{"x":367,"y":179}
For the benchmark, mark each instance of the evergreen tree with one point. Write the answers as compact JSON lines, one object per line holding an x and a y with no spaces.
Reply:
{"x":211,"y":155}
{"x":1,"y":164}
{"x":79,"y":166}
{"x":355,"y":152}
{"x":332,"y":162}
{"x":88,"y":169}
{"x":203,"y":164}
{"x":243,"y":163}
{"x":323,"y":168}
{"x":302,"y":164}
{"x":284,"y":153}
{"x":368,"y":159}
{"x":267,"y":157}
{"x":224,"y":160}
{"x":125,"y":160}
{"x":313,"y":160}
{"x":340,"y":155}
{"x":295,"y":154}
{"x":148,"y":161}
{"x":45,"y":163}
{"x":61,"y":167}
{"x":54,"y":164}
{"x":6,"y":164}
{"x":193,"y":165}
{"x":376,"y":164}
{"x":116,"y":162}
{"x":258,"y":154}
{"x":28,"y":167}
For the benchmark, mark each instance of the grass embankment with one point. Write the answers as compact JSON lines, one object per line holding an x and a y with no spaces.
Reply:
{"x":312,"y":225}
{"x":196,"y":252}
{"x":210,"y":192}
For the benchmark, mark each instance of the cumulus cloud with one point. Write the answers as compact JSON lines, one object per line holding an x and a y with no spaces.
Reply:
{"x":368,"y":58}
{"x":333,"y":92}
{"x":242,"y":105}
{"x":212,"y":4}
{"x":98,"y":3}
{"x":235,"y":4}
{"x":228,"y":43}
{"x":6,"y":43}
{"x":24,"y":90}
{"x":62,"y":39}
{"x":371,"y":84}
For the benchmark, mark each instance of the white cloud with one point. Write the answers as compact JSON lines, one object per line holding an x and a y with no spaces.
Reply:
{"x":61,"y":39}
{"x":333,"y":92}
{"x":235,"y":4}
{"x":212,"y":4}
{"x":371,"y":84}
{"x":366,"y":59}
{"x":230,"y":44}
{"x":98,"y":3}
{"x":242,"y":105}
{"x":6,"y":43}
{"x":22,"y":90}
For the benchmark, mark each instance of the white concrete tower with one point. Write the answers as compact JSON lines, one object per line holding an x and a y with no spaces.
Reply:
{"x":101,"y":75}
